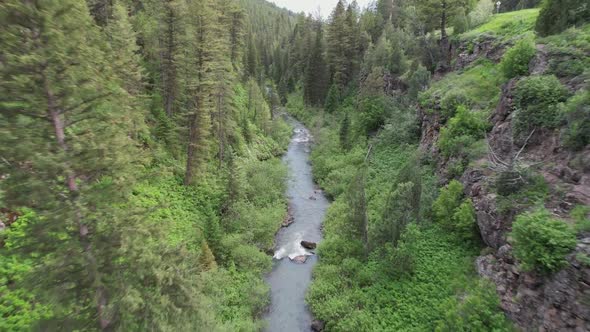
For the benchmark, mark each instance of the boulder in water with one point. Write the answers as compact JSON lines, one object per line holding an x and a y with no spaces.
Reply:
{"x":308,"y":245}
{"x":299,"y":259}
{"x":317,"y":325}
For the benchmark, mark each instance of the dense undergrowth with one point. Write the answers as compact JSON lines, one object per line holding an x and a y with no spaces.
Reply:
{"x":416,"y":285}
{"x":232,"y":291}
{"x":399,"y":248}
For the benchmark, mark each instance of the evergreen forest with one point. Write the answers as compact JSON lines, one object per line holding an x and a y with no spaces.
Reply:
{"x":145,"y":164}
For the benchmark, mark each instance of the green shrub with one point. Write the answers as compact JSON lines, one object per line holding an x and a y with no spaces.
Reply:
{"x":464,"y":129}
{"x":517,"y":196}
{"x":455,"y":213}
{"x":460,"y":22}
{"x":558,"y":15}
{"x":372,"y":113}
{"x":477,"y":311}
{"x":577,"y":115}
{"x":581,"y":216}
{"x":476,"y":87}
{"x":536,"y":99}
{"x":541,"y":242}
{"x":448,"y":202}
{"x":516,"y":60}
{"x":464,"y":222}
{"x":509,"y":182}
{"x":418,"y":82}
{"x":333,"y":99}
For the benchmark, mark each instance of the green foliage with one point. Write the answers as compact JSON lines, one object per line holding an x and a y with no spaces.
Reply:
{"x":333,"y":99}
{"x":536,"y":100}
{"x":19,"y":308}
{"x":418,"y":82}
{"x":516,"y":60}
{"x":344,"y":133}
{"x":477,"y":88}
{"x":464,"y":221}
{"x":482,"y":13}
{"x":475,"y":311}
{"x":455,"y":213}
{"x":581,"y":216}
{"x":558,"y":15}
{"x":518,"y":196}
{"x":506,"y":26}
{"x":462,"y":131}
{"x":400,"y":258}
{"x":460,"y":22}
{"x":568,"y":52}
{"x":377,"y":295}
{"x":541,"y":242}
{"x":576,"y":134}
{"x":372,"y":113}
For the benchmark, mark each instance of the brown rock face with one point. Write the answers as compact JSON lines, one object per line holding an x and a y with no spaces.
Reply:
{"x":556,"y":302}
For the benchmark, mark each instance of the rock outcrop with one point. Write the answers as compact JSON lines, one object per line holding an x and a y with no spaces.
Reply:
{"x":557,"y":302}
{"x":308,"y":245}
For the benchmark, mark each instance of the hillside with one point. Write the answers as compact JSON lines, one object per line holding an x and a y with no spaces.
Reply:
{"x":475,"y":188}
{"x":156,"y":164}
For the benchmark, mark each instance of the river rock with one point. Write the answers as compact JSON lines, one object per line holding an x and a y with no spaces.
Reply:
{"x":299,"y":259}
{"x":288,"y":221}
{"x":317,"y":325}
{"x":308,"y":245}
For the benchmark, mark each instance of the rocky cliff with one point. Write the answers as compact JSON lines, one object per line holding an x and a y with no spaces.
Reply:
{"x":556,"y":302}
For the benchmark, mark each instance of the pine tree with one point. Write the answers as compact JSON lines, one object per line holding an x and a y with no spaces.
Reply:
{"x":345,"y":132}
{"x":357,"y":215}
{"x":252,"y":58}
{"x":333,"y":99}
{"x":64,"y":136}
{"x":338,"y":44}
{"x":316,"y":78}
{"x":438,"y":13}
{"x":169,"y":41}
{"x":200,"y":82}
{"x":125,"y":57}
{"x":353,"y":33}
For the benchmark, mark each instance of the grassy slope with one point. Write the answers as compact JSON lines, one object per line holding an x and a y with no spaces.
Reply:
{"x":506,"y":25}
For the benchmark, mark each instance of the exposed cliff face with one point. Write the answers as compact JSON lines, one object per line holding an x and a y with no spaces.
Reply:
{"x":557,"y":302}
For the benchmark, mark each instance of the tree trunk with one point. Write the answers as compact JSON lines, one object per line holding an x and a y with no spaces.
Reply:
{"x":169,"y":67}
{"x":56,"y":118}
{"x":188,"y":178}
{"x":443,"y":21}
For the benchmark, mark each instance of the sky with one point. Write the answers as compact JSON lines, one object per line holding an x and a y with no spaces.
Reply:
{"x":311,"y":6}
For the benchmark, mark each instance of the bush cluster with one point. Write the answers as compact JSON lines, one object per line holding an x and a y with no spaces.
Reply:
{"x":475,"y":311}
{"x":537,"y":100}
{"x":464,"y":129}
{"x":541,"y":242}
{"x":558,"y":15}
{"x":516,"y":60}
{"x":576,"y":134}
{"x":455,"y":213}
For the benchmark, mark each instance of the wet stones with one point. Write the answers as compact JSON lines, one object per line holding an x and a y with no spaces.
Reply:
{"x":317,"y":325}
{"x":299,"y":259}
{"x":308,"y":245}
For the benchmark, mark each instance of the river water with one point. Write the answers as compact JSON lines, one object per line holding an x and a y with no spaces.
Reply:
{"x":289,"y":280}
